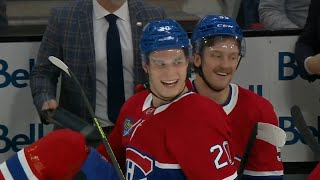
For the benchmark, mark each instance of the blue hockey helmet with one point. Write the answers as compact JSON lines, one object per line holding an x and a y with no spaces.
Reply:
{"x":162,"y":35}
{"x":217,"y":25}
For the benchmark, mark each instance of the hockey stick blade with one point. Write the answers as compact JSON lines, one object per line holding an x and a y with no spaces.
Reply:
{"x":266,"y":132}
{"x":58,"y":63}
{"x":305,"y":131}
{"x":271,"y":134}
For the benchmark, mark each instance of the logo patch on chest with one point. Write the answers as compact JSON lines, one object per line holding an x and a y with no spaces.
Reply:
{"x":127,"y":126}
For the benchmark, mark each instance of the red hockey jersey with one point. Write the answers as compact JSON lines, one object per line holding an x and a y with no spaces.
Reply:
{"x":245,"y":108}
{"x":183,"y":139}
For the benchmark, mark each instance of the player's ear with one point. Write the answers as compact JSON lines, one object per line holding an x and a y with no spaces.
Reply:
{"x":145,"y":67}
{"x":196,"y":60}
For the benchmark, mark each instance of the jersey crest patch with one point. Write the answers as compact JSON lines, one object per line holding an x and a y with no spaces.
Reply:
{"x":127,"y":126}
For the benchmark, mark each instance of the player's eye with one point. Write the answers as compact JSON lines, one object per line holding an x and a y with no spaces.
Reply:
{"x":177,"y":62}
{"x":159,"y":63}
{"x":216,"y":55}
{"x":234,"y":57}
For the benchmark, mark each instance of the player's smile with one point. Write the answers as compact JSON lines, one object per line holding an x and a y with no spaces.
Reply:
{"x":222,"y":75}
{"x":170,"y":83}
{"x":218,"y":80}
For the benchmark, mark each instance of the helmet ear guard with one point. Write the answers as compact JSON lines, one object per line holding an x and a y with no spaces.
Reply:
{"x":163,"y":35}
{"x":217,"y":25}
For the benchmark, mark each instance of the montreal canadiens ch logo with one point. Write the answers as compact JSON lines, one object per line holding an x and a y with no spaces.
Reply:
{"x":138,"y":166}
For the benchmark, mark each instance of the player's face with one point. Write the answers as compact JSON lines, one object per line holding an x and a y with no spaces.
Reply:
{"x":167,"y":71}
{"x":219,"y":62}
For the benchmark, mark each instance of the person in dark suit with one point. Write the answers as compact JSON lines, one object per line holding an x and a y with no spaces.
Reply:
{"x":3,"y":15}
{"x":307,"y":50}
{"x":76,"y":34}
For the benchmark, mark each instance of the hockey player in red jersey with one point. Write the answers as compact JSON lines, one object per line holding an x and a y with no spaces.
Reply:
{"x":166,"y":131}
{"x":60,"y":155}
{"x":218,"y":46}
{"x":43,"y":159}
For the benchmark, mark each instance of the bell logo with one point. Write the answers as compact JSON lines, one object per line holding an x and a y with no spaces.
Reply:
{"x":19,"y":140}
{"x":18,"y":78}
{"x":294,"y":136}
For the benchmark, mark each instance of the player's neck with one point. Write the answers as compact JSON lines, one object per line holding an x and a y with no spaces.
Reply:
{"x":159,"y":102}
{"x":220,"y":97}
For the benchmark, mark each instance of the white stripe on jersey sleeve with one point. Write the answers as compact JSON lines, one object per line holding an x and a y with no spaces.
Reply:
{"x":232,"y":177}
{"x":263,"y":173}
{"x":167,"y":166}
{"x":5,"y":171}
{"x":25,"y":165}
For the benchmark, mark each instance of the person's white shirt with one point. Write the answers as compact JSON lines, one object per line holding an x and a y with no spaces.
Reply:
{"x":100,"y":28}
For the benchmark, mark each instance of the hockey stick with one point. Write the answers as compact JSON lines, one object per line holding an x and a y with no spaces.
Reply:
{"x":58,"y":63}
{"x":266,"y":132}
{"x":271,"y":134}
{"x":247,"y":150}
{"x":305,"y":131}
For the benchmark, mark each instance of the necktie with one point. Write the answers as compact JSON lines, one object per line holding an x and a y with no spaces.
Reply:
{"x":116,"y":96}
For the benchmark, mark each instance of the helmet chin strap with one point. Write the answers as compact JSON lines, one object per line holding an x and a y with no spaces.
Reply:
{"x":200,"y":72}
{"x":147,"y":85}
{"x":239,"y":61}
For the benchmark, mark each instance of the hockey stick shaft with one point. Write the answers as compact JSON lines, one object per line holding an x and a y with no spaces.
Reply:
{"x":305,"y":131}
{"x":247,"y":151}
{"x":103,"y":136}
{"x":58,"y":63}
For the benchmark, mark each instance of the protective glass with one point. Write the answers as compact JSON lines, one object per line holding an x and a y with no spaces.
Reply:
{"x":174,"y":58}
{"x":223,"y":48}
